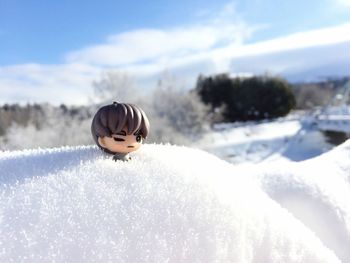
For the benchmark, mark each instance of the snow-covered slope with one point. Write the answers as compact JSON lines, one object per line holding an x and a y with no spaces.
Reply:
{"x":254,"y":142}
{"x":171,"y":204}
{"x":317,"y":192}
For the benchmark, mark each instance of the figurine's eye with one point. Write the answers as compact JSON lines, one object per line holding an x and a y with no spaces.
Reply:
{"x":139,"y":138}
{"x":118,"y":139}
{"x":122,"y":133}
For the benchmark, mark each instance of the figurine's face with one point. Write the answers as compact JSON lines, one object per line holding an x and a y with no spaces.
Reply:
{"x":121,"y":142}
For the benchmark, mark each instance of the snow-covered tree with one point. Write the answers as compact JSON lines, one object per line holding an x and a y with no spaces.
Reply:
{"x":115,"y":86}
{"x":179,"y":115}
{"x":53,"y":129}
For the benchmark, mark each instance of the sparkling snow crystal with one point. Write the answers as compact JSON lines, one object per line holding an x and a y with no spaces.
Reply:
{"x":171,"y":204}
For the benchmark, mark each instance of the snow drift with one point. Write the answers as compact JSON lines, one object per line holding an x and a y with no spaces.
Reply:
{"x":171,"y":204}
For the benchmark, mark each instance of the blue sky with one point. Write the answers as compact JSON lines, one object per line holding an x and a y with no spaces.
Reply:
{"x":49,"y":44}
{"x":42,"y":31}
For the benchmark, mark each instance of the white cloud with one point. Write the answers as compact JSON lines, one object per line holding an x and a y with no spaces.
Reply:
{"x":148,"y":44}
{"x":219,"y":59}
{"x":142,"y":52}
{"x":217,"y":45}
{"x":325,"y":36}
{"x":343,"y":2}
{"x":301,"y":40}
{"x":66,"y":83}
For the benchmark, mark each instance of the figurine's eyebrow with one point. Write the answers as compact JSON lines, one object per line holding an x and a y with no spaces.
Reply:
{"x":123,"y":133}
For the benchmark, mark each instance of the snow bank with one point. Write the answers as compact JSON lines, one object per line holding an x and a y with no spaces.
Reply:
{"x":254,"y":142}
{"x":317,"y":192}
{"x":169,"y":204}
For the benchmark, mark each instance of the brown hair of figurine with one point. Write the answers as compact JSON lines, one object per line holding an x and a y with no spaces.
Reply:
{"x":119,"y":129}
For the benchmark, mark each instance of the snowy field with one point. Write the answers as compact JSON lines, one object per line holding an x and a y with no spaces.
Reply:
{"x":178,"y":204}
{"x":287,"y":138}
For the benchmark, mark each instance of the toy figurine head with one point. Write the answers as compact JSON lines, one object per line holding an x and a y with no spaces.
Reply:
{"x":119,"y":128}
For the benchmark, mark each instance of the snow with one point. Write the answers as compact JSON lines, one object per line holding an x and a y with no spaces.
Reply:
{"x":333,"y":118}
{"x":173,"y":204}
{"x":316,"y":192}
{"x":286,"y":138}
